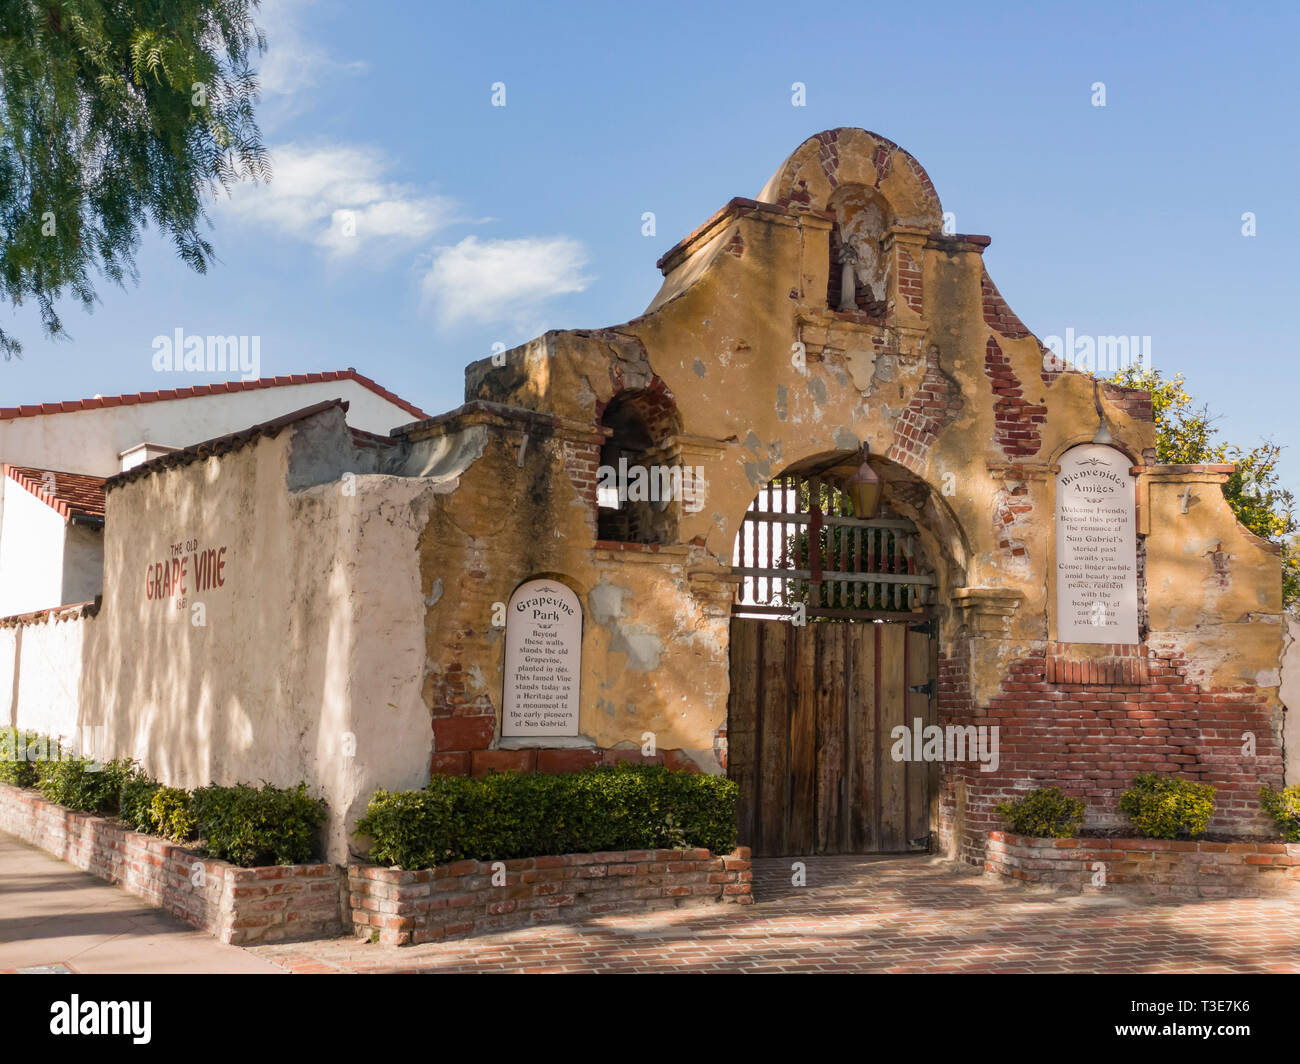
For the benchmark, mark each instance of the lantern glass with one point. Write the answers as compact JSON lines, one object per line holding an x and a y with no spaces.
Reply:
{"x":864,"y":491}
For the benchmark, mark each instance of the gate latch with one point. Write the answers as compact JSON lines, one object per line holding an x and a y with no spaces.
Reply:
{"x":926,"y":688}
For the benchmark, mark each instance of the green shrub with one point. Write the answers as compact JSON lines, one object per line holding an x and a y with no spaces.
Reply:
{"x":1045,"y":813}
{"x":170,"y":813}
{"x":84,"y":785}
{"x":1167,"y":807}
{"x":133,"y":803}
{"x":20,"y":753}
{"x":1284,"y":807}
{"x":250,"y":826}
{"x":626,"y":807}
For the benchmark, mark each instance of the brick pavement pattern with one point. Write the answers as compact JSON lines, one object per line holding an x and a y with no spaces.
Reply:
{"x":908,"y":914}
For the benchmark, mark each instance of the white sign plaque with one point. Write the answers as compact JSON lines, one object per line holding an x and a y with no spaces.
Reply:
{"x":543,"y":660}
{"x":1096,"y":547}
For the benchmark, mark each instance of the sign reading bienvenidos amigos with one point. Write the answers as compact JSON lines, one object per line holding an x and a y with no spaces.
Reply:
{"x":1096,"y":547}
{"x":543,"y":661}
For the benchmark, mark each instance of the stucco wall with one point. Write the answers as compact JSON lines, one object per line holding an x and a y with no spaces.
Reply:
{"x":40,"y":673}
{"x":309,"y":661}
{"x":31,"y":552}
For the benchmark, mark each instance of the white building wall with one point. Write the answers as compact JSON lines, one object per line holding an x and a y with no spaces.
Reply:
{"x":83,"y":563}
{"x":40,"y":674}
{"x":91,"y":441}
{"x":31,"y":552}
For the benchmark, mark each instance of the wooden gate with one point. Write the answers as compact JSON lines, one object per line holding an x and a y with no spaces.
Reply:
{"x":809,"y":736}
{"x":817,"y":694}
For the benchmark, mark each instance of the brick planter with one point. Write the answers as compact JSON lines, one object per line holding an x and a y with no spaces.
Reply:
{"x":407,"y":908}
{"x":237,"y":905}
{"x":1148,"y":866}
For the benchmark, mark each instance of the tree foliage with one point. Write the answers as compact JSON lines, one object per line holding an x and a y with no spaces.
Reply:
{"x":115,"y":113}
{"x":1186,"y":435}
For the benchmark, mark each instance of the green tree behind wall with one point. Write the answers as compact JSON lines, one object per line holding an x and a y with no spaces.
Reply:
{"x":1186,"y":435}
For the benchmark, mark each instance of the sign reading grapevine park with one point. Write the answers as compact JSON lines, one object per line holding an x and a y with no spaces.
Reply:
{"x":543,"y":661}
{"x":1096,"y":547}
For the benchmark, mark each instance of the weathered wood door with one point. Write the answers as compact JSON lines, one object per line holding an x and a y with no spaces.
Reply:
{"x":810,"y":718}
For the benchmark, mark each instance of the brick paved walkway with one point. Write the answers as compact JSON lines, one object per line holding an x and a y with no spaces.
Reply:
{"x":857,"y":914}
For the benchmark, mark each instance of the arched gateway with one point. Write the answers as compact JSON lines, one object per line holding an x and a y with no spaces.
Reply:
{"x":832,"y":652}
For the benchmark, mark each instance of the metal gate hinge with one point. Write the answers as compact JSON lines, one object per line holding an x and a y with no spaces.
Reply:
{"x":926,"y":688}
{"x":924,"y":628}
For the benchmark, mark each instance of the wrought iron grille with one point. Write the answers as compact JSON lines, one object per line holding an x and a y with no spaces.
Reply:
{"x":800,"y":543}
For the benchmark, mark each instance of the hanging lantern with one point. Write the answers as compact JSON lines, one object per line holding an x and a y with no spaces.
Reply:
{"x":863,"y":489}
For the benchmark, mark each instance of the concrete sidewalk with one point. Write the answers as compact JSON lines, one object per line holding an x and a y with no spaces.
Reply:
{"x":51,"y":914}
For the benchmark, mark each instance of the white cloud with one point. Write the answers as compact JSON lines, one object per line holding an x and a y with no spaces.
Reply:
{"x":499,"y":279}
{"x":337,"y":197}
{"x":293,"y":63}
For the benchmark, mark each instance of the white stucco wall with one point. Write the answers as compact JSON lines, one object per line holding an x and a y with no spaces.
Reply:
{"x":40,"y":670}
{"x":1290,"y":696}
{"x":83,"y":563}
{"x":310,"y":662}
{"x":31,"y":552}
{"x":91,"y":441}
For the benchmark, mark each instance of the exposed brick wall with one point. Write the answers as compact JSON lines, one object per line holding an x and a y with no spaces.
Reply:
{"x":1148,"y":866}
{"x":407,"y":908}
{"x":997,"y":315}
{"x":909,"y":281}
{"x":954,"y":705}
{"x":1090,"y":737}
{"x":829,"y":156}
{"x":1133,"y":401}
{"x":1016,"y":423}
{"x":883,"y":160}
{"x":936,"y":402}
{"x":237,"y":905}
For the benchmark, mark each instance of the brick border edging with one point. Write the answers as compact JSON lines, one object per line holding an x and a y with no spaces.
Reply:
{"x":240,"y":906}
{"x":458,"y":900}
{"x":1186,"y":869}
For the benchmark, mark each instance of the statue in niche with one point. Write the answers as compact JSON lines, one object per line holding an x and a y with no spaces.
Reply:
{"x":861,"y":220}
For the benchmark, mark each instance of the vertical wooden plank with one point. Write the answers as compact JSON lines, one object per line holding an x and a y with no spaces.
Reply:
{"x":774,"y":722}
{"x":831,"y":722}
{"x":803,"y":739}
{"x":742,"y":723}
{"x":893,"y":711}
{"x":861,"y":802}
{"x":919,"y":707}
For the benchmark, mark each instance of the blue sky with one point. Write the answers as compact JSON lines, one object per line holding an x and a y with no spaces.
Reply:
{"x":477,"y":224}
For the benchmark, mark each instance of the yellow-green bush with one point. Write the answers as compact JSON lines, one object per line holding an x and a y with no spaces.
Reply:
{"x":1284,"y":807}
{"x":1045,"y":814}
{"x":1167,"y":807}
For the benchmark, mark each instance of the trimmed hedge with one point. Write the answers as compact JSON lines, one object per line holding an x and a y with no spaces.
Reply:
{"x":20,"y":753}
{"x":247,"y":825}
{"x":243,"y":825}
{"x":622,"y":807}
{"x":1045,"y":813}
{"x":1167,"y":807}
{"x":74,"y":784}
